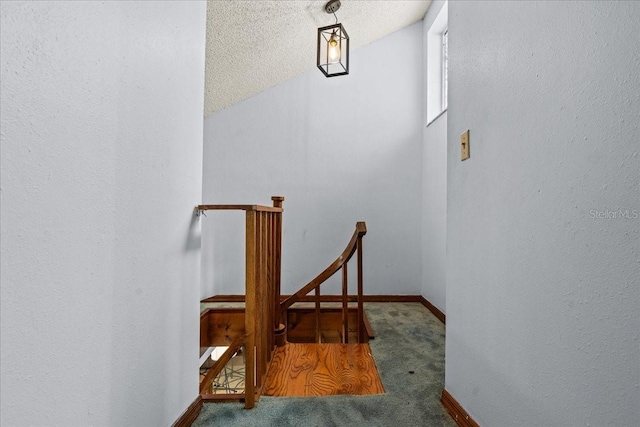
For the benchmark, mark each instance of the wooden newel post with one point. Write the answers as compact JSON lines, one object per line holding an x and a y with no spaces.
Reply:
{"x":280,"y":322}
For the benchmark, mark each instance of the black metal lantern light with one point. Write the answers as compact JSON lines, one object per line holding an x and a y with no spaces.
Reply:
{"x":333,"y":46}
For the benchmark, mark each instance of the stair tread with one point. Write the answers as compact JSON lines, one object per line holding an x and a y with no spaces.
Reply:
{"x":299,"y":370}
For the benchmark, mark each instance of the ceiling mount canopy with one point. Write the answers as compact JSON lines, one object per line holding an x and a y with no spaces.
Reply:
{"x":332,"y":6}
{"x":333,"y":45}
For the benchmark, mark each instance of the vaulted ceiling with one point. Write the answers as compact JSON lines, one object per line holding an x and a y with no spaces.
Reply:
{"x":253,"y":45}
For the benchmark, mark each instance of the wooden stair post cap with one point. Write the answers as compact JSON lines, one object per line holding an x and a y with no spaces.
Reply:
{"x":277,"y":201}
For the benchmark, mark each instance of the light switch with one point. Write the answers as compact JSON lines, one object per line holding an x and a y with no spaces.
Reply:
{"x":464,"y":145}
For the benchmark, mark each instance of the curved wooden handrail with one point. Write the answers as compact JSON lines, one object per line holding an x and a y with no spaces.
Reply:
{"x":361,"y":230}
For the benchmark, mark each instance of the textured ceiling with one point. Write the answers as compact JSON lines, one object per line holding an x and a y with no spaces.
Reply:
{"x":253,"y":45}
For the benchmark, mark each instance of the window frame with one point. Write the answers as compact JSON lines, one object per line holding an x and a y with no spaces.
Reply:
{"x":444,"y":78}
{"x":437,"y":79}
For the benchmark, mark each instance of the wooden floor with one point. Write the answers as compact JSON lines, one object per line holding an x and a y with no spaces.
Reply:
{"x":322,"y":370}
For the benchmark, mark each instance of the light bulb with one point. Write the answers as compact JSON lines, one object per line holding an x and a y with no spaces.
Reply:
{"x":334,"y":50}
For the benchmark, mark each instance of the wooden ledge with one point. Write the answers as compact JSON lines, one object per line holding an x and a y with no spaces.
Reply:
{"x":256,"y":208}
{"x":352,"y":298}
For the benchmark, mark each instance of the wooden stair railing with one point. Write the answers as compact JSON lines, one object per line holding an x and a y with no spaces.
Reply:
{"x":263,"y":238}
{"x":219,"y":364}
{"x":355,"y":244}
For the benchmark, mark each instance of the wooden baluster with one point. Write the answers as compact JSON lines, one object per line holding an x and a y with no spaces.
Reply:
{"x":274,"y":303}
{"x":263,"y":300}
{"x":265,"y":328}
{"x":345,"y":305}
{"x":268,"y":300}
{"x":268,"y":306}
{"x":318,"y":335}
{"x":360,"y":302}
{"x":258,"y":315}
{"x":250,"y":308}
{"x":277,"y":203}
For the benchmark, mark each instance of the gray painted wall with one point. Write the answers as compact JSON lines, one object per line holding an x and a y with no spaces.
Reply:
{"x":340,"y":150}
{"x":434,"y":212}
{"x":101,"y":167}
{"x":434,"y":190}
{"x":542,"y":294}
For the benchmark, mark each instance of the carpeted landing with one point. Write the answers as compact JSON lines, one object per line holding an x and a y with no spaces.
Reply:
{"x":409,"y":353}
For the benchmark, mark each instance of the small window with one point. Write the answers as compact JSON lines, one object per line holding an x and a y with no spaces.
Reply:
{"x":445,"y":69}
{"x":437,"y":65}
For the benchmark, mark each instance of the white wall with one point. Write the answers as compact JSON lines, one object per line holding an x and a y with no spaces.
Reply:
{"x":434,"y":183}
{"x":340,"y":150}
{"x":101,"y":167}
{"x":542,"y":296}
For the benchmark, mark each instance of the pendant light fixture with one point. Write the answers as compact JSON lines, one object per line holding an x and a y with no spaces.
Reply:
{"x":333,"y":45}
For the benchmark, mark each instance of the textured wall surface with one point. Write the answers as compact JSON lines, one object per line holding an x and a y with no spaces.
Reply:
{"x":255,"y":45}
{"x":434,"y":190}
{"x":542,"y":239}
{"x":340,"y":150}
{"x":101,"y":167}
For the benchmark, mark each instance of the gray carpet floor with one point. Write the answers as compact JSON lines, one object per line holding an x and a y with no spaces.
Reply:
{"x":409,"y":353}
